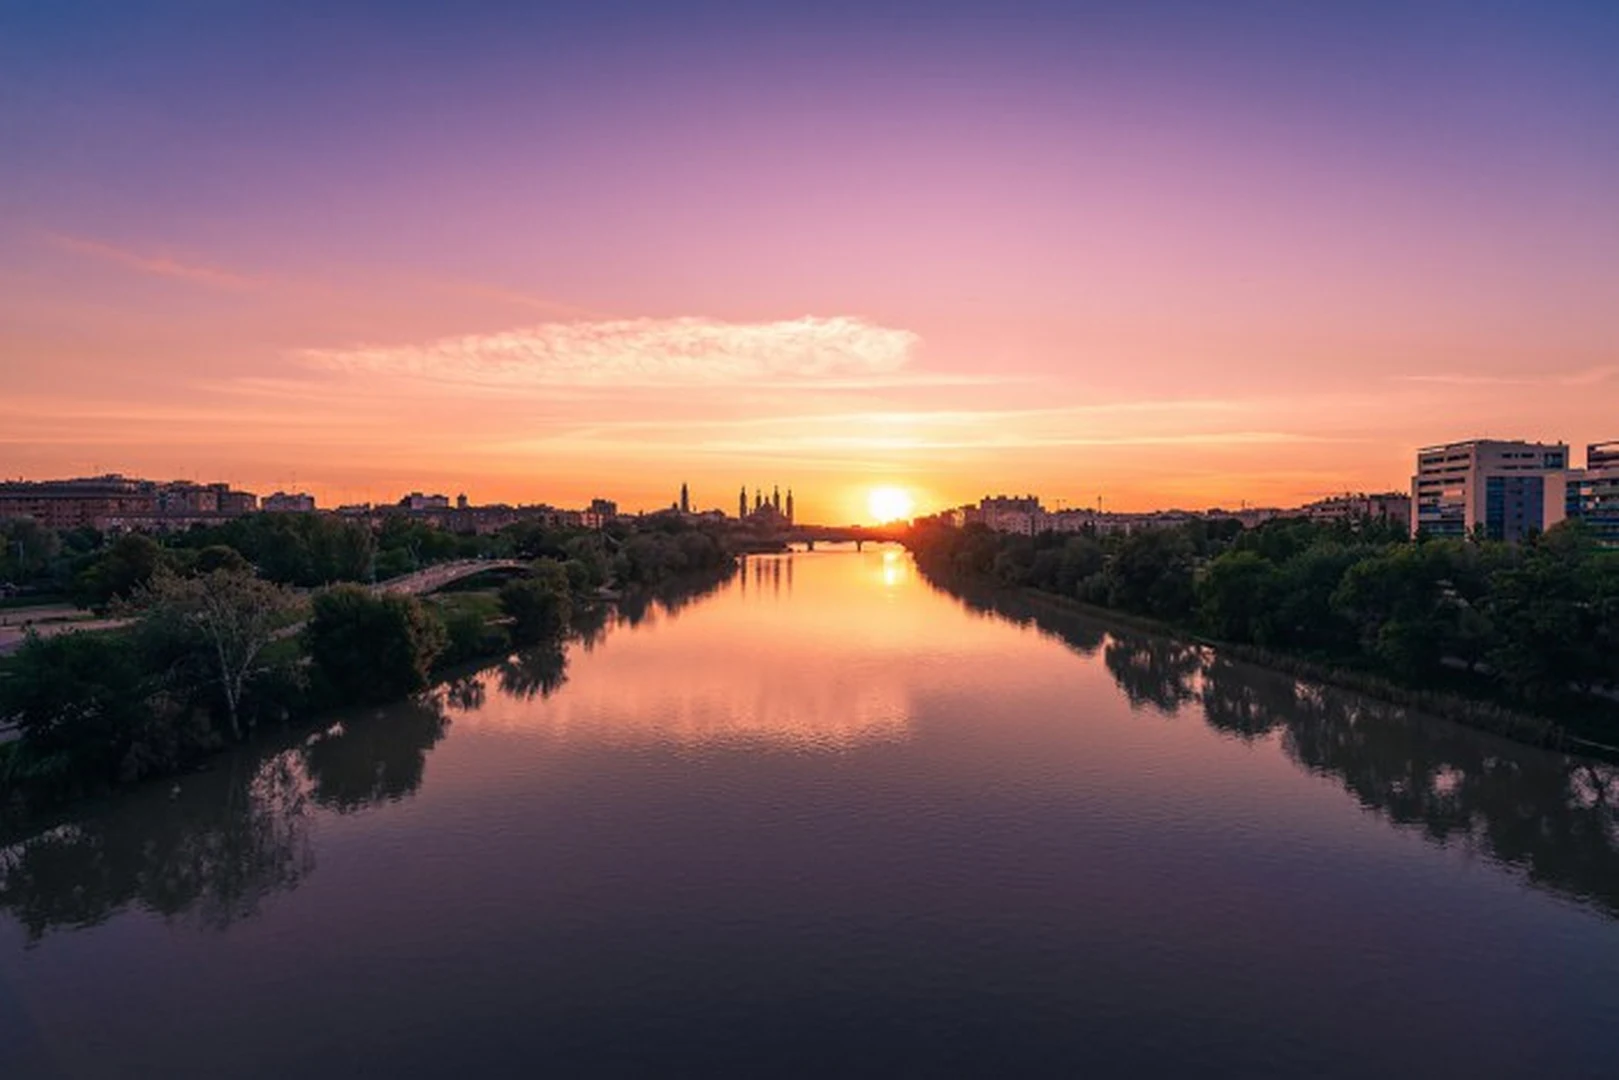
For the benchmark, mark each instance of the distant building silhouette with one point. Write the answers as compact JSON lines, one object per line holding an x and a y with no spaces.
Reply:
{"x":685,"y":500}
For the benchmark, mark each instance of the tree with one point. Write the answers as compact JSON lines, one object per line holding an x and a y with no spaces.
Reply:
{"x":127,"y":565}
{"x":228,"y":617}
{"x":27,"y":550}
{"x":1151,"y":572}
{"x":219,"y":557}
{"x":538,"y":605}
{"x":370,"y":648}
{"x":1236,"y":596}
{"x":83,"y":706}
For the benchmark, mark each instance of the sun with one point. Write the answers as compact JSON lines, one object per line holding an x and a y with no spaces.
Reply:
{"x":889,"y":503}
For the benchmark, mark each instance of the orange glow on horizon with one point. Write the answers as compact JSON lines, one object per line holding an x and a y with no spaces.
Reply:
{"x":888,"y":503}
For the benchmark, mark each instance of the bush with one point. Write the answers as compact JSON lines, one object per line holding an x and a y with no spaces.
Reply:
{"x":366,"y":648}
{"x":469,"y":636}
{"x":90,"y":717}
{"x":539,"y":605}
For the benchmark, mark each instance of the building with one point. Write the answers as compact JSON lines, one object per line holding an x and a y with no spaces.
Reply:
{"x":416,"y":502}
{"x":1504,"y":489}
{"x":82,"y":503}
{"x":773,"y":511}
{"x":119,"y":502}
{"x":1012,"y":513}
{"x":1593,"y":492}
{"x":282,"y":502}
{"x":1393,"y":506}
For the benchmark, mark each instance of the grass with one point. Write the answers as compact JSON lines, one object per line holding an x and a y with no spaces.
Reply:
{"x":34,"y":600}
{"x":484,"y":604}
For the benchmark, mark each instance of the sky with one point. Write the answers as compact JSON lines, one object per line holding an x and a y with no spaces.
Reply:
{"x":1154,"y":254}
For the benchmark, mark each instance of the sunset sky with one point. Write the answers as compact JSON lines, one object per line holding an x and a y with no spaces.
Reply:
{"x":1160,"y":253}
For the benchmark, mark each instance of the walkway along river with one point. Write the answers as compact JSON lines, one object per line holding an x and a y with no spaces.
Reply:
{"x":829,"y":820}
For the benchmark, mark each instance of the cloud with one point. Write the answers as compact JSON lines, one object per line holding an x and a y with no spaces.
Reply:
{"x":159,"y":265}
{"x":1588,"y":377}
{"x":646,"y":353}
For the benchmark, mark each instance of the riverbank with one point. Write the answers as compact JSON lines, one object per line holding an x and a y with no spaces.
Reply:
{"x":465,"y":630}
{"x":1483,"y":715}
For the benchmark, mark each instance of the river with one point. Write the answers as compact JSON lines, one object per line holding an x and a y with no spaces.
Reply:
{"x":828,"y":820}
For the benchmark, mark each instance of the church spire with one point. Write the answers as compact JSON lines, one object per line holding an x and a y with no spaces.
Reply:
{"x":742,"y":503}
{"x":685,"y":500}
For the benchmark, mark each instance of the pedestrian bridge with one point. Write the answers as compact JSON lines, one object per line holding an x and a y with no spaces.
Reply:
{"x":433,"y":578}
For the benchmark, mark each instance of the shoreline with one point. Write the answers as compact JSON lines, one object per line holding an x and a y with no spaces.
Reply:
{"x":1476,"y":713}
{"x":17,"y":802}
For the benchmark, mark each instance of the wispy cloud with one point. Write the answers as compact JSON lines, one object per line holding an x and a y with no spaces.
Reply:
{"x":1594,"y":376}
{"x":646,"y":353}
{"x":160,"y":265}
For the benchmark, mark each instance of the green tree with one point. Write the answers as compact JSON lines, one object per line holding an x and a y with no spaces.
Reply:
{"x":89,"y":714}
{"x":124,"y":567}
{"x":220,"y":557}
{"x":221,"y":622}
{"x":371,"y":648}
{"x":1151,"y":573}
{"x":539,"y":605}
{"x":1237,"y":595}
{"x":27,"y":551}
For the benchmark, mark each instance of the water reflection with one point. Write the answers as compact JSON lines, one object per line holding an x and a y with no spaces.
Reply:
{"x":534,"y":673}
{"x":1553,"y":818}
{"x":373,"y":758}
{"x":213,"y":851}
{"x":213,"y":846}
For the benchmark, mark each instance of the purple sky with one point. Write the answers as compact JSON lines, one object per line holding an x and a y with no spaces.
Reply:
{"x":1159,"y":253}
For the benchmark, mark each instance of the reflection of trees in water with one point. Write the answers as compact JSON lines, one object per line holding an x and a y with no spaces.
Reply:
{"x":642,"y":605}
{"x":1153,"y":671}
{"x":533,"y":673}
{"x":1233,"y":702}
{"x":1555,"y":819}
{"x":1083,"y":634}
{"x":229,"y":838}
{"x":374,"y":758}
{"x":589,"y":624}
{"x":466,"y":693}
{"x":215,"y":845}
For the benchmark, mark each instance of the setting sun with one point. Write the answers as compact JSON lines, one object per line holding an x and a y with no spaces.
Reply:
{"x":889,"y":504}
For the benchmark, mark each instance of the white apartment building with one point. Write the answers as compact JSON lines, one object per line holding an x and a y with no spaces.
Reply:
{"x":1507,"y":488}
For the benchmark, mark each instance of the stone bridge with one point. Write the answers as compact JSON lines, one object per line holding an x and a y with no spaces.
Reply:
{"x":858,"y":535}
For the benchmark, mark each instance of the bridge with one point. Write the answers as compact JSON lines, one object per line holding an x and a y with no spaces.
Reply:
{"x":858,"y":535}
{"x":433,"y":578}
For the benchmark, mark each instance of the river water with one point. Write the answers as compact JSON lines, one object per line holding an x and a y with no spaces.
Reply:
{"x":828,"y":820}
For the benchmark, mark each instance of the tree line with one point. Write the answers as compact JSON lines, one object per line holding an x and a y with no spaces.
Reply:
{"x":215,"y":647}
{"x":307,"y":550}
{"x":1536,"y":624}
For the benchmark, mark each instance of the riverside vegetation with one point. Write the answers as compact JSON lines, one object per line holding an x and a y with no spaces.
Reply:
{"x":221,"y":642}
{"x":1521,"y":639}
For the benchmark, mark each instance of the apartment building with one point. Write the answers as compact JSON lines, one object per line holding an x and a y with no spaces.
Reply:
{"x":1507,"y":488}
{"x":1394,"y":506}
{"x":1593,"y":492}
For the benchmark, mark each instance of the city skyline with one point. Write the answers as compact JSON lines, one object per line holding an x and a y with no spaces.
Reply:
{"x":1204,"y":258}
